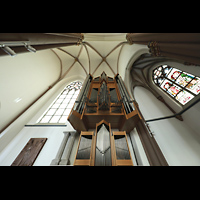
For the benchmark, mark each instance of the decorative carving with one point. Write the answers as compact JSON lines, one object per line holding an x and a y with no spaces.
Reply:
{"x":129,"y":38}
{"x":154,"y":48}
{"x":80,"y":40}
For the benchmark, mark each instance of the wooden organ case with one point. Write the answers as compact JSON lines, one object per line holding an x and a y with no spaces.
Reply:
{"x":103,"y":103}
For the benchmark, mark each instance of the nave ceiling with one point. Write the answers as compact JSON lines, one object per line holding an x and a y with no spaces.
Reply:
{"x":98,"y":52}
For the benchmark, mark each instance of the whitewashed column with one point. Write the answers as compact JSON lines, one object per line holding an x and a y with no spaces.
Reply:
{"x":61,"y":149}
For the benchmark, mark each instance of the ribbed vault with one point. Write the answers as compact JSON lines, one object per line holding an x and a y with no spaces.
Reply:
{"x":92,"y":57}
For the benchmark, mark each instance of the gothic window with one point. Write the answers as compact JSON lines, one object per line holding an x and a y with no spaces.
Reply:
{"x":180,"y":85}
{"x":59,"y":110}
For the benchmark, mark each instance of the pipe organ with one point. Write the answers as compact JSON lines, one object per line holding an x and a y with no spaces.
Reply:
{"x":103,"y":103}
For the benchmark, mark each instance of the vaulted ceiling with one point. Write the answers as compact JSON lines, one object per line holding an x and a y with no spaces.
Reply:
{"x":55,"y":63}
{"x":99,"y":52}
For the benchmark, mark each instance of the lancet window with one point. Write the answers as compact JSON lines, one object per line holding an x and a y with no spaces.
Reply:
{"x":180,"y":85}
{"x":59,"y":110}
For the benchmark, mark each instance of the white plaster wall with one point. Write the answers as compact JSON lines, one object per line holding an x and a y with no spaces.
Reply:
{"x":54,"y":137}
{"x":178,"y":142}
{"x":26,"y":77}
{"x":53,"y":93}
{"x":128,"y":55}
{"x":15,"y":137}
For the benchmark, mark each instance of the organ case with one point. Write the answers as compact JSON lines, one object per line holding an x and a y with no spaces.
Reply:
{"x":104,"y":98}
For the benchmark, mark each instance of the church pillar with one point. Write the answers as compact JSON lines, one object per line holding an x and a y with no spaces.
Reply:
{"x":61,"y":149}
{"x":67,"y":151}
{"x":62,"y":157}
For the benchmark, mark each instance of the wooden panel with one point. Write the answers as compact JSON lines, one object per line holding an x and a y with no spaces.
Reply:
{"x":30,"y":152}
{"x":76,"y":122}
{"x":124,"y":163}
{"x":111,"y":85}
{"x":87,"y":132}
{"x":82,"y":163}
{"x":91,"y":120}
{"x":113,"y":153}
{"x":119,"y":132}
{"x":130,"y":123}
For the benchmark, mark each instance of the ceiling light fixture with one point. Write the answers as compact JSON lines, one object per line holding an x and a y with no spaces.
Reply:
{"x":6,"y":46}
{"x":30,"y":48}
{"x":17,"y":100}
{"x":8,"y":50}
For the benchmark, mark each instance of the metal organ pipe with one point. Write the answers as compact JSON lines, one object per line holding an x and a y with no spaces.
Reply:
{"x":127,"y":95}
{"x":83,"y":94}
{"x":103,"y":97}
{"x":123,"y":96}
{"x":82,"y":103}
{"x":83,"y":86}
{"x":126,"y":98}
{"x":103,"y":151}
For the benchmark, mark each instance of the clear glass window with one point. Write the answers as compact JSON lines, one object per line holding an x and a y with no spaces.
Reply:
{"x":61,"y":107}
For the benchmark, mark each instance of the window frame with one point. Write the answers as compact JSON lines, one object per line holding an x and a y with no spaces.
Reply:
{"x":165,"y":77}
{"x":77,"y":85}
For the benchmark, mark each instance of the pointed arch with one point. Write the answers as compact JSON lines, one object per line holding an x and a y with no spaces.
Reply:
{"x":58,"y":111}
{"x":178,"y":84}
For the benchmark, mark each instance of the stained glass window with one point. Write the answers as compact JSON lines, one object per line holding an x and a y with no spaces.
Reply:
{"x":180,"y":85}
{"x":62,"y":105}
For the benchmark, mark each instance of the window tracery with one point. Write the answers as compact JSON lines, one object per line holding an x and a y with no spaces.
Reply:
{"x":180,"y":85}
{"x":59,"y":110}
